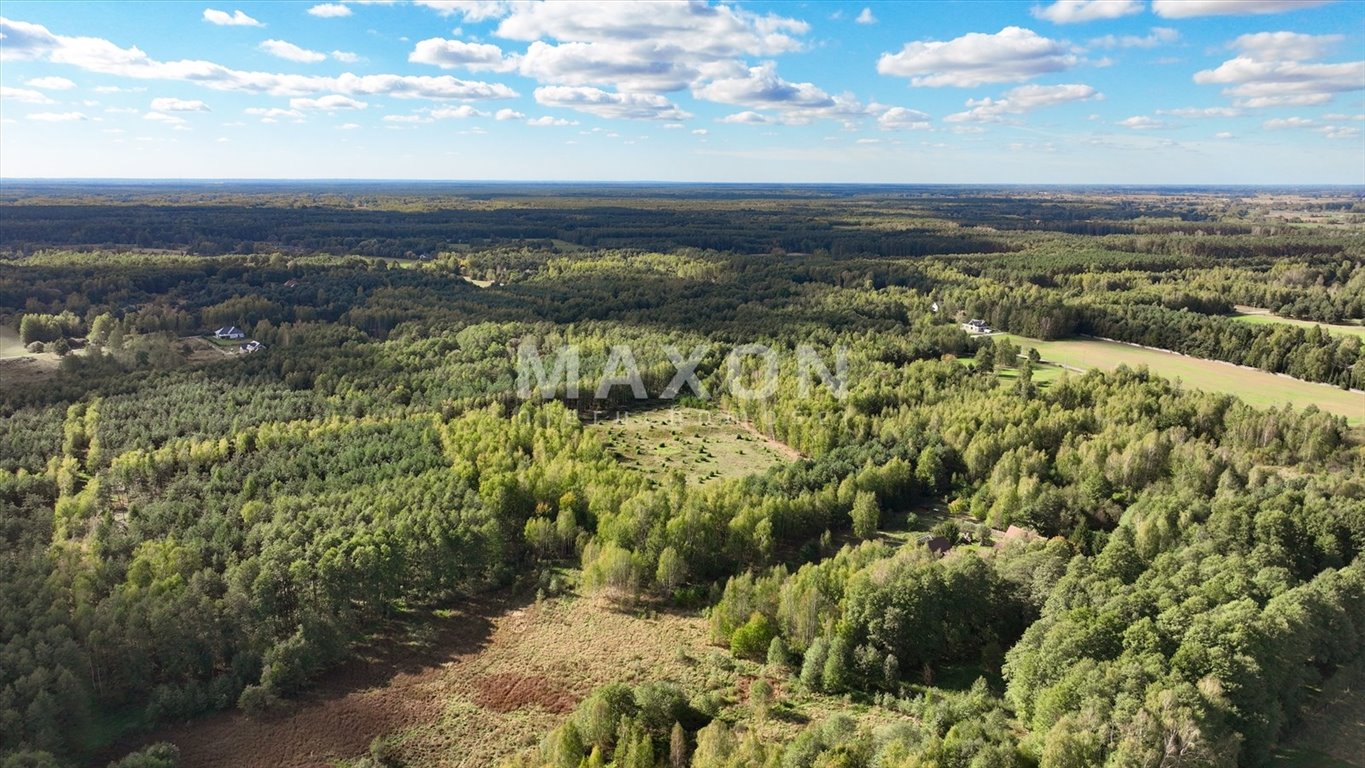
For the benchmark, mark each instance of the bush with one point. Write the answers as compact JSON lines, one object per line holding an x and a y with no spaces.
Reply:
{"x":30,"y":760}
{"x":778,"y":658}
{"x":257,"y":700}
{"x":384,"y":752}
{"x":36,"y":347}
{"x":751,"y":640}
{"x":661,"y":705}
{"x":161,"y":755}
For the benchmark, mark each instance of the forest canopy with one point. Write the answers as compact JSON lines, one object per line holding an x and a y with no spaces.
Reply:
{"x":1129,"y":570}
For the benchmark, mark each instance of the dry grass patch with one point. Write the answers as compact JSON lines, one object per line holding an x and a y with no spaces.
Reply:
{"x":706,"y":446}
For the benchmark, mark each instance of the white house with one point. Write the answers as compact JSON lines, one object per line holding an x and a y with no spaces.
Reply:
{"x":976,"y":326}
{"x":230,"y":332}
{"x":252,"y":346}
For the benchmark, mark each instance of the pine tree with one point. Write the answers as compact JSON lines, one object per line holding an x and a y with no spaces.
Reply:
{"x":778,"y":658}
{"x":813,"y":665}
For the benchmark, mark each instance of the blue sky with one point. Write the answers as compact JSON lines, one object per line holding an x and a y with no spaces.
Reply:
{"x":1078,"y":91}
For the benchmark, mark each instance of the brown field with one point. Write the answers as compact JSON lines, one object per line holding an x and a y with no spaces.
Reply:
{"x":471,"y":687}
{"x":468,"y":688}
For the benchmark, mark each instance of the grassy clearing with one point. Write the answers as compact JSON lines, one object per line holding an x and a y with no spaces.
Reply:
{"x":481,"y":683}
{"x":706,"y":446}
{"x":1257,"y":316}
{"x":9,"y":343}
{"x":1257,"y":388}
{"x":18,"y":366}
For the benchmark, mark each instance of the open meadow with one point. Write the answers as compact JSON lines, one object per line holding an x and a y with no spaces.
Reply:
{"x":705,"y":445}
{"x":1258,"y":316}
{"x":1257,"y":388}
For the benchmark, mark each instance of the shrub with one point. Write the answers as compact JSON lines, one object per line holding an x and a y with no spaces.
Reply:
{"x":161,"y":755}
{"x":257,"y":700}
{"x":751,"y":640}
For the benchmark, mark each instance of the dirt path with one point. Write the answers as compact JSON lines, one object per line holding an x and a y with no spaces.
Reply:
{"x":777,"y":445}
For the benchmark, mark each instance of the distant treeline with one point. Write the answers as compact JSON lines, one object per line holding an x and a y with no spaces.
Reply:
{"x":338,"y":229}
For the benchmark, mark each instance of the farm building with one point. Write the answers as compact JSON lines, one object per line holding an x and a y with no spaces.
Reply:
{"x":229,"y":332}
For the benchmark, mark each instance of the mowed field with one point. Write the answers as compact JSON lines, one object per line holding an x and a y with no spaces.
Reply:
{"x":707,"y":446}
{"x":1258,"y":316}
{"x":1257,"y":388}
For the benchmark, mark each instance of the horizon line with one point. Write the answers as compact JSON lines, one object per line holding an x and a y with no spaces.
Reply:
{"x":660,"y":182}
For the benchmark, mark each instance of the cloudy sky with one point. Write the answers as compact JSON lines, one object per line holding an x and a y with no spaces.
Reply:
{"x":1073,"y":91}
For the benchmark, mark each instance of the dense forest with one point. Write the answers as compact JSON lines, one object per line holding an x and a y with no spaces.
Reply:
{"x":189,"y":527}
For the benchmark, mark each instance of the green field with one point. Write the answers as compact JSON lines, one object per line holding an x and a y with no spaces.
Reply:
{"x":706,"y":446}
{"x":1257,"y":388}
{"x":1257,"y":316}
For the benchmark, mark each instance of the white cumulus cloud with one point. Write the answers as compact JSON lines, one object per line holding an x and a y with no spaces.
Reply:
{"x":1018,"y":101}
{"x":329,"y":102}
{"x":546,"y":121}
{"x":329,"y":11}
{"x":866,"y":17}
{"x":28,"y":41}
{"x":1073,"y":11}
{"x":1158,"y":36}
{"x":457,"y":54}
{"x":1286,"y":122}
{"x":595,"y":101}
{"x":508,"y":114}
{"x":748,"y":117}
{"x":234,"y":19}
{"x":461,"y":112}
{"x":51,"y":83}
{"x":1184,"y":9}
{"x":1011,"y":55}
{"x":1141,"y":123}
{"x":472,"y":10}
{"x":1339,"y":131}
{"x":169,"y":104}
{"x":903,"y":119}
{"x":1271,"y":70}
{"x":273,"y":113}
{"x":286,"y":50}
{"x":24,"y":95}
{"x":761,"y":87}
{"x":1286,"y":46}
